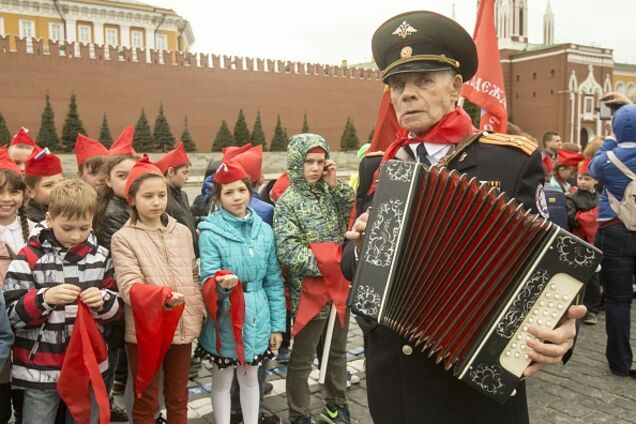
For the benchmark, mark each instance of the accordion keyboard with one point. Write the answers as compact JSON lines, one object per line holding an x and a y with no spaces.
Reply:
{"x":546,"y":312}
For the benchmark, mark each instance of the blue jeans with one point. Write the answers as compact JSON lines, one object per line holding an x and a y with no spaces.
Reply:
{"x":40,"y":407}
{"x":617,"y":274}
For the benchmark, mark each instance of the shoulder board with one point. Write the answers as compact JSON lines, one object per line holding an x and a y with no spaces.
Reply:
{"x":372,"y":154}
{"x":520,"y":142}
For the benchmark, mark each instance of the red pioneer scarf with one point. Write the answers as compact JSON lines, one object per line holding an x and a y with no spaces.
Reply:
{"x":317,"y":291}
{"x":451,"y":129}
{"x":237,"y":303}
{"x":154,"y":326}
{"x":588,"y":225}
{"x":80,"y":370}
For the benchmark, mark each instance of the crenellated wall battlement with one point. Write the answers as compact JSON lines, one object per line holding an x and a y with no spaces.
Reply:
{"x":201,"y":61}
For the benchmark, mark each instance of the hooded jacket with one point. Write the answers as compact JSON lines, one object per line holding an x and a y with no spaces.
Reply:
{"x":164,"y":257}
{"x":308,"y":213}
{"x":244,"y":246}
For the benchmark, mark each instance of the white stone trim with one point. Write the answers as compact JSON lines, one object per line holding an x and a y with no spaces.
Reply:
{"x":569,"y":51}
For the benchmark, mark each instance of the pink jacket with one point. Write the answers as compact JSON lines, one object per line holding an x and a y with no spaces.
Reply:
{"x":163,"y":257}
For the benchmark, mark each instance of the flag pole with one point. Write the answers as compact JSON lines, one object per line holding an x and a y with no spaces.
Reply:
{"x":327,"y":346}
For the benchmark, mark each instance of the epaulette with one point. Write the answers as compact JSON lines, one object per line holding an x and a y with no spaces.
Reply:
{"x":372,"y":154}
{"x":520,"y":142}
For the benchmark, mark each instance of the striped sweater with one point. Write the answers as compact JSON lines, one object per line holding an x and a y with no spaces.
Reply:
{"x":42,"y":331}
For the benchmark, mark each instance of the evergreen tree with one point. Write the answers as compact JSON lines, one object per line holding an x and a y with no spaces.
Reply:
{"x":279,"y":141}
{"x":163,"y":138}
{"x":142,"y":140}
{"x":104,"y":134}
{"x":188,"y":142}
{"x":241,"y":132}
{"x":47,"y":137}
{"x":72,"y":126}
{"x":305,"y":128}
{"x":5,"y":134}
{"x":258,"y":136}
{"x":349,"y":140}
{"x":224,"y":138}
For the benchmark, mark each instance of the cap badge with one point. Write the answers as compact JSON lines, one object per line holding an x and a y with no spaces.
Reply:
{"x":407,"y":51}
{"x":404,"y":30}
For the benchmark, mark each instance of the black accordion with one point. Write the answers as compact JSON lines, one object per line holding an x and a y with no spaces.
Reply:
{"x":460,"y":271}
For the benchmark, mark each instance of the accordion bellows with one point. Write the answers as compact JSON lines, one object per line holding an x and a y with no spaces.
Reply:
{"x":460,"y":272}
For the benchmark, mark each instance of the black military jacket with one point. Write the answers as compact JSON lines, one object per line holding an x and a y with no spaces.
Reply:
{"x":403,"y":386}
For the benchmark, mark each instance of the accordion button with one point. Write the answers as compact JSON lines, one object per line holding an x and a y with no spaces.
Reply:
{"x":553,"y":286}
{"x":548,"y":295}
{"x":542,"y":303}
{"x":407,"y":350}
{"x":550,"y":305}
{"x":514,"y":345}
{"x":548,"y":323}
{"x":507,"y":353}
{"x":559,"y":306}
{"x":554,"y":315}
{"x":540,"y":321}
{"x":525,"y":328}
{"x":556,"y":296}
{"x":565,"y":298}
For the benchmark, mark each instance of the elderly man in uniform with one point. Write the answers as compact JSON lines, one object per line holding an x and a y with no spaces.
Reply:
{"x":425,"y":58}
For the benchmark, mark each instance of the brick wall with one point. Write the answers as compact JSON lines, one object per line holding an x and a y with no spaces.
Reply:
{"x":206,"y":88}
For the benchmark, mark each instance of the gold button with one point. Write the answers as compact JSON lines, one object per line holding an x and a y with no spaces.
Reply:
{"x":407,"y":350}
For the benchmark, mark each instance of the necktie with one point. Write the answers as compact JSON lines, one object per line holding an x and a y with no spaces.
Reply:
{"x":421,"y":155}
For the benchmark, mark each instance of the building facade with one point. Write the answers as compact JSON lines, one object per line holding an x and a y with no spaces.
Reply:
{"x":115,"y":23}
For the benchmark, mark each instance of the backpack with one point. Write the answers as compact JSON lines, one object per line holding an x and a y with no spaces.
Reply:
{"x":626,"y":208}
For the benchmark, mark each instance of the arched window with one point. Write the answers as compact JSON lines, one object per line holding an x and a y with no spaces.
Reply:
{"x":620,"y":87}
{"x":631,"y":92}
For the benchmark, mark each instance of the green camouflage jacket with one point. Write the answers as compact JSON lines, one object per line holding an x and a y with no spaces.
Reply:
{"x":307,"y":213}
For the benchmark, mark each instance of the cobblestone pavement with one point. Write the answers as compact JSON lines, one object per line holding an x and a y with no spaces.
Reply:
{"x":584,"y":391}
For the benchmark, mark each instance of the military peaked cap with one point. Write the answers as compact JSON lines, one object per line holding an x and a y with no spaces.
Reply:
{"x":423,"y":41}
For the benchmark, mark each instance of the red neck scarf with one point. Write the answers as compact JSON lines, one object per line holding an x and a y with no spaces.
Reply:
{"x":154,"y":327}
{"x":317,"y":291}
{"x":237,"y":304}
{"x":454,"y":127}
{"x":85,"y":353}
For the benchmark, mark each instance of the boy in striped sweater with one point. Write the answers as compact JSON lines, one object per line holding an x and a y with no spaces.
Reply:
{"x":61,"y":265}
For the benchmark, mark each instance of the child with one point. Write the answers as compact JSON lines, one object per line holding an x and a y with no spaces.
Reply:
{"x":21,"y":147}
{"x":582,"y":215}
{"x":315,"y":208}
{"x":42,"y":171}
{"x":235,"y":239}
{"x":153,"y":248}
{"x":112,"y":213}
{"x":14,"y":233}
{"x":91,"y":156}
{"x":60,"y":265}
{"x":175,"y":165}
{"x":564,"y":170}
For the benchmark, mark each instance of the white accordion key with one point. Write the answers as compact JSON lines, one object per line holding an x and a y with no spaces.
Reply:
{"x":562,"y":288}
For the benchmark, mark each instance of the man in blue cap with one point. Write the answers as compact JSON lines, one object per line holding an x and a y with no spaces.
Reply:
{"x":425,"y":58}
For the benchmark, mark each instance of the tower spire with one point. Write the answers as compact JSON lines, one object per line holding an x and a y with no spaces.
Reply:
{"x":548,"y":25}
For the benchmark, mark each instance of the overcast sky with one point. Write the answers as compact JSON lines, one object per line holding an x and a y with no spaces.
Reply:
{"x":329,"y":31}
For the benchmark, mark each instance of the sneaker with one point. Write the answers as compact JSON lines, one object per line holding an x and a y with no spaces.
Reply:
{"x":270,"y":419}
{"x":118,"y":387}
{"x":352,"y":379}
{"x":118,"y":415}
{"x":236,"y":418}
{"x":590,"y":319}
{"x":267,"y":387}
{"x":335,"y":414}
{"x":283,"y":355}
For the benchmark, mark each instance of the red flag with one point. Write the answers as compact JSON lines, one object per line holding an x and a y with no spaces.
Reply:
{"x":386,"y":125}
{"x":85,"y":353}
{"x":317,"y":291}
{"x":486,"y":89}
{"x":237,"y":303}
{"x":154,"y":327}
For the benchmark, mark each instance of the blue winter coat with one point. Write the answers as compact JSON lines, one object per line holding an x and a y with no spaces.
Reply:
{"x":612,"y":178}
{"x":244,"y":246}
